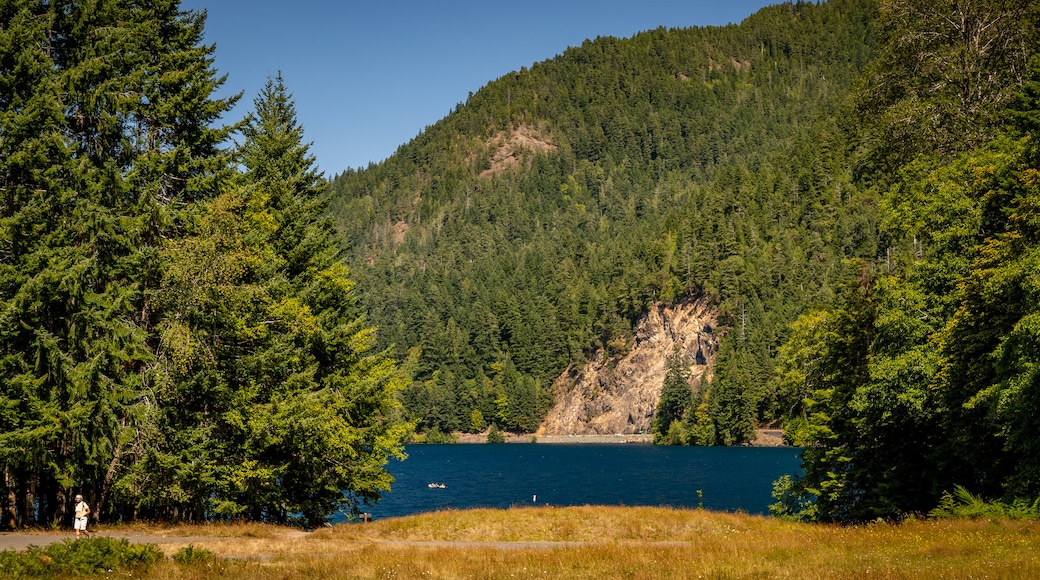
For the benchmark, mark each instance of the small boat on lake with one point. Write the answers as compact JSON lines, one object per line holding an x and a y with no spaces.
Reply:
{"x":436,"y":486}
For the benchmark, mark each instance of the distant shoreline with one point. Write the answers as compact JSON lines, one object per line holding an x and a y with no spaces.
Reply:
{"x":764,"y":438}
{"x":636,"y":438}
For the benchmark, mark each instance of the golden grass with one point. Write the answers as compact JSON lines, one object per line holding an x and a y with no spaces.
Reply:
{"x":218,"y":529}
{"x":637,"y":543}
{"x":551,"y":524}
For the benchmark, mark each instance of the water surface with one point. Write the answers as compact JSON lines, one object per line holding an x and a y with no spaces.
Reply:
{"x":501,"y":476}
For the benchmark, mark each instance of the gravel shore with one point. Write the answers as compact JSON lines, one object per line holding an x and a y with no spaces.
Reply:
{"x":556,"y":439}
{"x":765,"y":438}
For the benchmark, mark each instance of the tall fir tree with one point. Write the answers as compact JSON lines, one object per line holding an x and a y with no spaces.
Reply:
{"x":334,"y":460}
{"x":273,"y":406}
{"x":675,"y":402}
{"x":108,"y":115}
{"x":177,"y":340}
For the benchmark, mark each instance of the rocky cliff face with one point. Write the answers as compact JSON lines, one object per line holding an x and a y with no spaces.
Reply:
{"x":620,"y":395}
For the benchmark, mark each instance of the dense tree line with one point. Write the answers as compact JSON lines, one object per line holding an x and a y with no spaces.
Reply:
{"x":179,"y":338}
{"x":678,"y":162}
{"x":922,"y":379}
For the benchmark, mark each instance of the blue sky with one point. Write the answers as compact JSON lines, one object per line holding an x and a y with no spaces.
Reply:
{"x":369,"y":76}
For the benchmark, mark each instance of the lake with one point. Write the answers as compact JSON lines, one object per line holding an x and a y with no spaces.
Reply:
{"x":501,"y":476}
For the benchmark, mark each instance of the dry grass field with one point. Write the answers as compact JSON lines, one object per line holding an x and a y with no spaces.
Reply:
{"x":612,"y":542}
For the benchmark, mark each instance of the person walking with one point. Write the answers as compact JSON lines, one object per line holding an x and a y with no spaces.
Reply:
{"x":82,"y":513}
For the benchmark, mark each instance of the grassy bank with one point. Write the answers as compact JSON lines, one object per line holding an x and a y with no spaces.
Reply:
{"x":610,"y":542}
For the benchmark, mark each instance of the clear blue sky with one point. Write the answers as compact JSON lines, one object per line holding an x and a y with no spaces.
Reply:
{"x":369,"y":76}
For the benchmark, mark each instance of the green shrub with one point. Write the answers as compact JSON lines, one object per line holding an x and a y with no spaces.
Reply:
{"x":676,"y":435}
{"x":436,"y":436}
{"x":495,"y":436}
{"x":192,"y":556}
{"x":78,"y":557}
{"x":962,"y":504}
{"x":793,"y":501}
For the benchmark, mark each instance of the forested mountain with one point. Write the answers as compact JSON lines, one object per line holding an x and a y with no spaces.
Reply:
{"x":540,"y":219}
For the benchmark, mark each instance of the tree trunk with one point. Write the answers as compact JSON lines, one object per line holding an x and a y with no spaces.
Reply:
{"x":62,"y":501}
{"x":99,"y":509}
{"x":9,"y":515}
{"x":29,"y":502}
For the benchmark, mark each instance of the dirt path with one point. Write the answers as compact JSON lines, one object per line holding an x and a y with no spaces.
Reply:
{"x":20,"y":541}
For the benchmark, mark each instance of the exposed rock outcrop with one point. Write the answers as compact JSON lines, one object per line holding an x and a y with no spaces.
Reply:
{"x":620,"y":395}
{"x":508,"y":149}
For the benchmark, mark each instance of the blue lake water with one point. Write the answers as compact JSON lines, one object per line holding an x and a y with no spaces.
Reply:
{"x":501,"y":476}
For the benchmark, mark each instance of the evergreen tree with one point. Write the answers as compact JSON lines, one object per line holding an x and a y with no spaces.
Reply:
{"x":267,"y":378}
{"x":176,"y":342}
{"x":108,"y":129}
{"x":335,"y":459}
{"x":278,"y":162}
{"x":675,"y":402}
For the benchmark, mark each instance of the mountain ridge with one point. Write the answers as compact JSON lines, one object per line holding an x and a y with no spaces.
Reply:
{"x":534,"y":225}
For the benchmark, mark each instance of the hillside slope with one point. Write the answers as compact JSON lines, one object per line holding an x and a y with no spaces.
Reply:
{"x":533,"y":226}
